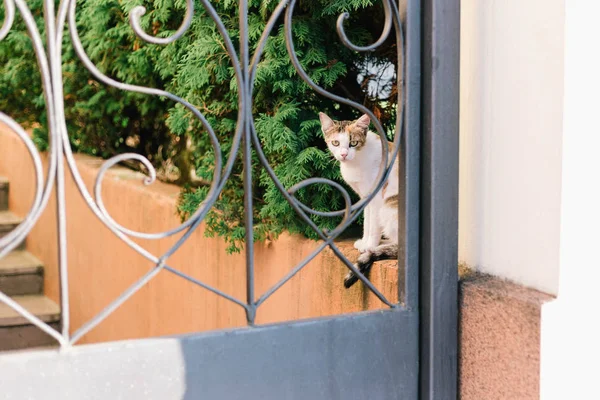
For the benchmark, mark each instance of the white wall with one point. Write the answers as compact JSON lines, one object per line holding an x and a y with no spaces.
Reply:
{"x":570,"y":348}
{"x":511,"y":133}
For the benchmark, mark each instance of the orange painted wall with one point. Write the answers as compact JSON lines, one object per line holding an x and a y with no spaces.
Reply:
{"x":101,"y":266}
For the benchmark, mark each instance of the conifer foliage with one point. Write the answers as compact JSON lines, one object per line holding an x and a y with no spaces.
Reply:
{"x":104,"y":121}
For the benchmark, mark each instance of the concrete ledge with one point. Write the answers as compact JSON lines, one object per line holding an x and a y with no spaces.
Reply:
{"x":499,"y":339}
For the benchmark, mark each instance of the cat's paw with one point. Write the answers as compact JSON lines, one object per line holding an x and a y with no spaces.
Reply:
{"x":361,"y":245}
{"x":370,"y":246}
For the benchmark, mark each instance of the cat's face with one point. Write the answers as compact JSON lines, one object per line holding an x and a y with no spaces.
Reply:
{"x":344,"y":138}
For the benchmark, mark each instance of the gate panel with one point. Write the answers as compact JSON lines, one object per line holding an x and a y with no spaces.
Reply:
{"x":363,"y":356}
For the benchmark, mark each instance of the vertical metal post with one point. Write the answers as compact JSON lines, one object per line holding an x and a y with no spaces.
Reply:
{"x":439,"y":200}
{"x":408,"y":282}
{"x":54,"y":61}
{"x":244,"y":91}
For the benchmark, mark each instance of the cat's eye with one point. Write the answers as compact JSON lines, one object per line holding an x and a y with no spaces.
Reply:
{"x":353,"y":143}
{"x":335,"y":143}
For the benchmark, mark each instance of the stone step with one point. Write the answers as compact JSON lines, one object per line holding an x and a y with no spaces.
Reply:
{"x":41,"y":347}
{"x":8,"y":222}
{"x":21,"y":274}
{"x":16,"y":332}
{"x":3,"y":194}
{"x":28,"y":337}
{"x":41,"y":306}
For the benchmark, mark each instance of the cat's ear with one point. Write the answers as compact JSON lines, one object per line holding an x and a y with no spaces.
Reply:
{"x":363,"y":122}
{"x":326,"y":122}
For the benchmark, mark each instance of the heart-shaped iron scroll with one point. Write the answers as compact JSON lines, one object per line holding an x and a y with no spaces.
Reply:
{"x":384,"y":170}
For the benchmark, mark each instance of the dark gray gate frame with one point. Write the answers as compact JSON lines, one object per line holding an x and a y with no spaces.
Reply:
{"x":439,"y":200}
{"x":406,"y":352}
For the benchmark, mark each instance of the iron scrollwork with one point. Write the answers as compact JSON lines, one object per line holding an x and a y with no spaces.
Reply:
{"x":48,"y":57}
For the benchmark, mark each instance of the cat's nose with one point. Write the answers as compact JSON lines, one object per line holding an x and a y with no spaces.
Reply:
{"x":344,"y":156}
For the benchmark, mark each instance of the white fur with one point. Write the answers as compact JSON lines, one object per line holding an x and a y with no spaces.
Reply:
{"x":360,"y":169}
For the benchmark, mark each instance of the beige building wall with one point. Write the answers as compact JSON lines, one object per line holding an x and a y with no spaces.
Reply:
{"x":511,"y":139}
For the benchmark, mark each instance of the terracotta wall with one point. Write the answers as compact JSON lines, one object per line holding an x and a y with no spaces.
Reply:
{"x":499,"y":340}
{"x":101,"y":266}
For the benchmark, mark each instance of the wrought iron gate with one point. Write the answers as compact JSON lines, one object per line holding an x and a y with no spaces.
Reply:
{"x":406,"y":352}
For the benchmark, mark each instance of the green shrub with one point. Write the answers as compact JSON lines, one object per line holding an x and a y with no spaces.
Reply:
{"x":104,"y":121}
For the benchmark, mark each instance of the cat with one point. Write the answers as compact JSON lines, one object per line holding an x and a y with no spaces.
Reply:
{"x":359,"y":152}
